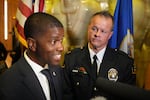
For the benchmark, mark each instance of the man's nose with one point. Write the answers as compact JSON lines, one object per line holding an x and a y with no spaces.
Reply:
{"x":98,"y":33}
{"x":60,"y":47}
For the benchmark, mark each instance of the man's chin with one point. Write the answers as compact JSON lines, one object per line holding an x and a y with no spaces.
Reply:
{"x":94,"y":46}
{"x":56,"y":62}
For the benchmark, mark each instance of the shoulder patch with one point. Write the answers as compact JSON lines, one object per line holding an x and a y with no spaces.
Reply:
{"x":68,"y":52}
{"x":75,"y":50}
{"x":122,"y":53}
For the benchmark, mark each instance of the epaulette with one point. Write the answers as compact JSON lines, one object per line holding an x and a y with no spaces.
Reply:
{"x":122,"y":53}
{"x":75,"y":50}
{"x":68,"y":52}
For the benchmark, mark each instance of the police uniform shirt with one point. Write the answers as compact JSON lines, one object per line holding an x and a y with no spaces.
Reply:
{"x":99,"y":55}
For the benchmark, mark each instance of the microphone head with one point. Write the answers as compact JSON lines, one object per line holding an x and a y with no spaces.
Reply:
{"x":122,"y":90}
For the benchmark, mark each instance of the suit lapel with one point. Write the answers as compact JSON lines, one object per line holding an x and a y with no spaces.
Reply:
{"x":31,"y":81}
{"x":34,"y":86}
{"x":55,"y":73}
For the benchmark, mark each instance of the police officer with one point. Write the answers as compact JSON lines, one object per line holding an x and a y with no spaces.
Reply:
{"x":112,"y":64}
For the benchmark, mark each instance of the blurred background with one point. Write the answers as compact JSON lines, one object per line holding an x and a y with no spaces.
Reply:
{"x":75,"y":14}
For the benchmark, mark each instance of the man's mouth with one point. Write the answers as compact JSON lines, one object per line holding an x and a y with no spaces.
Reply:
{"x":57,"y":57}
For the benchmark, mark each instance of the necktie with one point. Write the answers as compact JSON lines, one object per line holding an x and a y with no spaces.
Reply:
{"x":46,"y":72}
{"x":94,"y":66}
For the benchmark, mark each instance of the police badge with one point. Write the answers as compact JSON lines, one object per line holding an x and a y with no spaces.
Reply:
{"x":112,"y":74}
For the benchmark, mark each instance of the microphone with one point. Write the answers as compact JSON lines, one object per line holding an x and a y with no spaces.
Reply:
{"x":122,"y":90}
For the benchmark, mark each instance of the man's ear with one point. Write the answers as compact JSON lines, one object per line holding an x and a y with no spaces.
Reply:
{"x":111,"y":34}
{"x":31,"y":44}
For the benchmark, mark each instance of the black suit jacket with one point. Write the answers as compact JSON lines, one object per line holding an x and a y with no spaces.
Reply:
{"x":79,"y":77}
{"x":20,"y":83}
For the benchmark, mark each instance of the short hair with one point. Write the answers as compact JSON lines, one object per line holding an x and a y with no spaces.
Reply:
{"x":39,"y":22}
{"x":104,"y":13}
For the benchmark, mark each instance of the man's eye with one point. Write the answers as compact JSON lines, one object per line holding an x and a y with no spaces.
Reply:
{"x":104,"y":31}
{"x":53,"y":42}
{"x":94,"y":28}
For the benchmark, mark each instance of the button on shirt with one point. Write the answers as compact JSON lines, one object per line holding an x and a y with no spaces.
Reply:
{"x":41,"y":77}
{"x":99,"y":55}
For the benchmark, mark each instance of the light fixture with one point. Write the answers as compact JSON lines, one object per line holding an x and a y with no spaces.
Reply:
{"x":5,"y":20}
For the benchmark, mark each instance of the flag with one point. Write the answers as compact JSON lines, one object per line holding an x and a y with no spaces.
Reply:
{"x":122,"y":37}
{"x":25,"y":9}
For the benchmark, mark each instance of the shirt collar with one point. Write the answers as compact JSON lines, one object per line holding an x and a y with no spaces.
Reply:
{"x":99,"y":55}
{"x":36,"y":67}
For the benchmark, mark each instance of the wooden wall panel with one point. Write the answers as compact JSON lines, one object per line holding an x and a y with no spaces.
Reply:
{"x":12,"y":7}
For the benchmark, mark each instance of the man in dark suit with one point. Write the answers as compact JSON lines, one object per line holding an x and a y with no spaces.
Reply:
{"x":112,"y":64}
{"x":25,"y":80}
